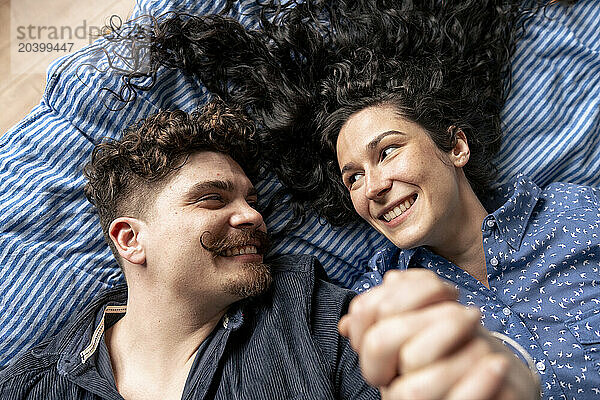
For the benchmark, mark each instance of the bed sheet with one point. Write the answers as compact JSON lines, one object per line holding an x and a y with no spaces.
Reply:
{"x":53,"y":258}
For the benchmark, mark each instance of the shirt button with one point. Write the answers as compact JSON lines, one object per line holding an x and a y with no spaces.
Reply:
{"x":540,"y":365}
{"x":494,"y":261}
{"x":490,"y":223}
{"x":506,"y":311}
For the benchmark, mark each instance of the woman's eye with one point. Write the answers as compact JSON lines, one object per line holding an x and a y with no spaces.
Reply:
{"x":386,"y":152}
{"x":353,"y":179}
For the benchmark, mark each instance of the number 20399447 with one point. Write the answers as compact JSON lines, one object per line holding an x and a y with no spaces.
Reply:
{"x":44,"y":47}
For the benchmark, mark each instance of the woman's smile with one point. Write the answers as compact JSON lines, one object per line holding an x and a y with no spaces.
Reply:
{"x":398,"y":209}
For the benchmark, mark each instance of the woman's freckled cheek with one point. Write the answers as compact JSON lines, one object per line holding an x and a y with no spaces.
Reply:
{"x":406,"y":169}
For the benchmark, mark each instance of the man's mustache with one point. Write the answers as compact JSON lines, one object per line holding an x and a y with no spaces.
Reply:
{"x":246,"y":237}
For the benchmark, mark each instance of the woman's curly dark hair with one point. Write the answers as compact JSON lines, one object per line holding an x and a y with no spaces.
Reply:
{"x":123,"y":175}
{"x":314,"y":63}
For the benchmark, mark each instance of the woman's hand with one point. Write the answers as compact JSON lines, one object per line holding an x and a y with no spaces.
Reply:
{"x":415,"y":341}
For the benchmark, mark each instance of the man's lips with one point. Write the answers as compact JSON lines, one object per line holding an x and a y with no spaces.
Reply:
{"x":241,"y":243}
{"x":241,"y":250}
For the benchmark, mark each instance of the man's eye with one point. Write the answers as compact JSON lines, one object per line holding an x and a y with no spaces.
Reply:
{"x":211,"y":198}
{"x":386,"y":152}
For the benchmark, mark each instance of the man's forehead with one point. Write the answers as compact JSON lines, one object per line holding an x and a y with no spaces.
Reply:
{"x":215,"y":169}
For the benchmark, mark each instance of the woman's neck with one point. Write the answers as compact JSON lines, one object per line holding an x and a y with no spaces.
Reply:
{"x":463,"y":243}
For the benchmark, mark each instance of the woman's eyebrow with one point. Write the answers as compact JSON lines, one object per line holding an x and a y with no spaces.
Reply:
{"x":373,"y":143}
{"x":348,"y":167}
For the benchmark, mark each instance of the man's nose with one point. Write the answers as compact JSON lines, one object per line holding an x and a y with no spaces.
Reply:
{"x":377,"y":185}
{"x":246,"y":216}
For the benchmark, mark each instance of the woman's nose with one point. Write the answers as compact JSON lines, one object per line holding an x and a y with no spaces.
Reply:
{"x":376,"y":185}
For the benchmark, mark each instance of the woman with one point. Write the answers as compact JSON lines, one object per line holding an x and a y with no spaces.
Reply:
{"x":391,"y":113}
{"x":411,"y":137}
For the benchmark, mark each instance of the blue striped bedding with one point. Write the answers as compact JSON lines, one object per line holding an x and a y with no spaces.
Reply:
{"x":52,"y":255}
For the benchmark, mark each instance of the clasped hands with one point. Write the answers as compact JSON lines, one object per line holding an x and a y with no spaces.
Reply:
{"x":415,"y":341}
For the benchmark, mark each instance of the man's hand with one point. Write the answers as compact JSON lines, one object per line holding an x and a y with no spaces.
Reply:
{"x":415,"y":341}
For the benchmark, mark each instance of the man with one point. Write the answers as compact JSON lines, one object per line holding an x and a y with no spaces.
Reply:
{"x":202,"y":317}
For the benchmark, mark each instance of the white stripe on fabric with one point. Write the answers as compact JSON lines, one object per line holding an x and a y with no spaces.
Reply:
{"x":556,"y":70}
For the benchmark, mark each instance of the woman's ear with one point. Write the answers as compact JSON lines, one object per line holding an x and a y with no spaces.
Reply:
{"x":124,"y":233}
{"x":460,"y":154}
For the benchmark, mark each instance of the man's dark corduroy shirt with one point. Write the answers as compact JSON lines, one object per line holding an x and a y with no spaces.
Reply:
{"x":281,"y":345}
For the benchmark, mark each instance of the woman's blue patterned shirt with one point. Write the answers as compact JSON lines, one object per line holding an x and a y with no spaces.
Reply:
{"x":542,"y":254}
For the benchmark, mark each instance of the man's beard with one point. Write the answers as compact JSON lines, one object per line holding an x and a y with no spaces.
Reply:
{"x":255,"y":277}
{"x":256,"y":280}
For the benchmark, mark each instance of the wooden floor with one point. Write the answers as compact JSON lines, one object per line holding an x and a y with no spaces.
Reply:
{"x":21,"y":88}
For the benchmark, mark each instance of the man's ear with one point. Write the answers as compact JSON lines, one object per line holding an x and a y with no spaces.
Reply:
{"x":460,"y":154}
{"x":124,"y":232}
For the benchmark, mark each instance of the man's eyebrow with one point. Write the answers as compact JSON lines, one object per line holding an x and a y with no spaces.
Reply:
{"x":373,"y":143}
{"x":200,"y":187}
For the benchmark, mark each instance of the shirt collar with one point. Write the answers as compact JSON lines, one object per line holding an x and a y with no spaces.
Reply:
{"x":517,"y":200}
{"x":92,"y":346}
{"x":111,"y":312}
{"x":391,"y":257}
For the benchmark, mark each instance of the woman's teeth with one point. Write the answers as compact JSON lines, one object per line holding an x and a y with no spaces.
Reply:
{"x":240,"y":251}
{"x":399,"y":209}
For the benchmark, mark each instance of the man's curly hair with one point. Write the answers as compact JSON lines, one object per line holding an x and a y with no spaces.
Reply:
{"x":123,"y":175}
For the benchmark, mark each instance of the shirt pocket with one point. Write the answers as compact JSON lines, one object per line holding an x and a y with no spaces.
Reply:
{"x":586,"y":329}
